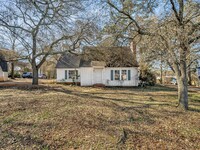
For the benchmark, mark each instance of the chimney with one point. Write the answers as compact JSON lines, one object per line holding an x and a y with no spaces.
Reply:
{"x":133,"y":50}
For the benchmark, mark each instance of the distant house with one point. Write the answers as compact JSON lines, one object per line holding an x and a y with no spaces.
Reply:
{"x":3,"y":68}
{"x":109,"y":66}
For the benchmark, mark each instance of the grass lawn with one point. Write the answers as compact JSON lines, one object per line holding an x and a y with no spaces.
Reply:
{"x":67,"y":117}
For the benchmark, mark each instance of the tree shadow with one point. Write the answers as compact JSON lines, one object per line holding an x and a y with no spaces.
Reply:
{"x":194,"y":110}
{"x":147,"y":88}
{"x":24,"y":139}
{"x":135,"y":112}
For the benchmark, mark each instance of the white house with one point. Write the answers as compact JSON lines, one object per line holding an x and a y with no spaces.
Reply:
{"x":3,"y":68}
{"x":109,"y":66}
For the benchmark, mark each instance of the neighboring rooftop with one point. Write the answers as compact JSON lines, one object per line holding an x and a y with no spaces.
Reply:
{"x":3,"y":63}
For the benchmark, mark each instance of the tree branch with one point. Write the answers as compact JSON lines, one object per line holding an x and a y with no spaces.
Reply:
{"x":175,"y":11}
{"x":139,"y":29}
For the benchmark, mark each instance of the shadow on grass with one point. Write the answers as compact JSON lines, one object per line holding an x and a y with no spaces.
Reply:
{"x":24,"y":140}
{"x":194,"y":110}
{"x":147,"y":88}
{"x":123,"y":112}
{"x":131,"y":101}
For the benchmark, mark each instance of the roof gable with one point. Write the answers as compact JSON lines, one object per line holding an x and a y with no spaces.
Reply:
{"x":69,"y":60}
{"x":95,"y":56}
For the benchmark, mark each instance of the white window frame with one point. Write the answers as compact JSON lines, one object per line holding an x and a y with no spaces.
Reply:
{"x":76,"y":74}
{"x":120,"y":74}
{"x":121,"y":78}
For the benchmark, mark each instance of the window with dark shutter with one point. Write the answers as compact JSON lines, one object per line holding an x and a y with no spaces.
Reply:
{"x":117,"y":74}
{"x":65,"y":74}
{"x":129,"y":74}
{"x":76,"y":74}
{"x":111,"y":75}
{"x":124,"y":75}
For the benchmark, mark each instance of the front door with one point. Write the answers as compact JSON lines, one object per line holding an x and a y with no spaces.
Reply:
{"x":97,"y":76}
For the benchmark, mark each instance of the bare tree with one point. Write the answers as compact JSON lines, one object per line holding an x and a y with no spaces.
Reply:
{"x":44,"y":25}
{"x":175,"y":32}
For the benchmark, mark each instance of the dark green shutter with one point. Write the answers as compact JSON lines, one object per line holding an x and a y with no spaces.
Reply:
{"x":111,"y":75}
{"x":129,"y":74}
{"x":76,"y":74}
{"x":65,"y":74}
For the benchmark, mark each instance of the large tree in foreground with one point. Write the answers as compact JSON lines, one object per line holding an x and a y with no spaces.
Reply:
{"x":44,"y":27}
{"x":172,"y":27}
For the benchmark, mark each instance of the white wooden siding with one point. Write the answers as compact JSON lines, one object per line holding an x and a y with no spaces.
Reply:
{"x":61,"y":75}
{"x":86,"y":76}
{"x":97,"y":75}
{"x":107,"y":77}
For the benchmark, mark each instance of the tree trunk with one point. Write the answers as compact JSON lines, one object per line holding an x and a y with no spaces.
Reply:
{"x":12,"y":70}
{"x":182,"y":79}
{"x":183,"y":93}
{"x":35,"y":75}
{"x":33,"y":62}
{"x":161,"y":73}
{"x":161,"y":69}
{"x":12,"y":62}
{"x":189,"y":76}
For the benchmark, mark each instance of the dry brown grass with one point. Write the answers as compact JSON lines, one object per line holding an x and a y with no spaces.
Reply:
{"x":68,"y":117}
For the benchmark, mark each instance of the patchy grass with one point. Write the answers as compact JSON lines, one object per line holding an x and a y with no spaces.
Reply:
{"x":67,"y":117}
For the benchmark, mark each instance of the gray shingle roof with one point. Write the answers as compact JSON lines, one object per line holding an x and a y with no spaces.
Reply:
{"x":99,"y":56}
{"x":85,"y":63}
{"x":69,"y":60}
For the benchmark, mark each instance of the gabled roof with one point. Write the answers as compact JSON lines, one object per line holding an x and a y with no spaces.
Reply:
{"x":99,"y":56}
{"x":3,"y":63}
{"x":68,"y":60}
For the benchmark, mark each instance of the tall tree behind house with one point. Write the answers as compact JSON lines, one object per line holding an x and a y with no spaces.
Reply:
{"x":173,"y":31}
